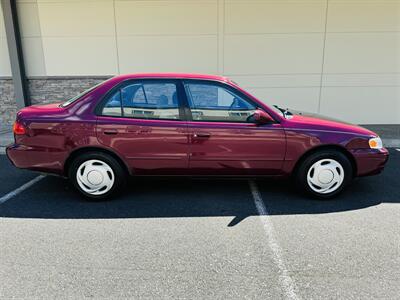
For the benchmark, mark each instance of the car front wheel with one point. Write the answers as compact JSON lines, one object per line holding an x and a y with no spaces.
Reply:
{"x":324,"y":174}
{"x":96,"y":175}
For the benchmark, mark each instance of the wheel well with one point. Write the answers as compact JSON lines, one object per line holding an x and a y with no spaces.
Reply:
{"x":327,"y":147}
{"x":80,"y":151}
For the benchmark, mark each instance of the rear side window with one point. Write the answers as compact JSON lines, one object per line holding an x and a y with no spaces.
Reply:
{"x":209,"y":102}
{"x":113,"y":106}
{"x":144,"y":101}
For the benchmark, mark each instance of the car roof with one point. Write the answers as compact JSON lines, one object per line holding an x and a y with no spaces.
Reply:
{"x":172,"y":76}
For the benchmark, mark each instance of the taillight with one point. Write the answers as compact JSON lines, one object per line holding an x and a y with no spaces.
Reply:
{"x":18,"y":128}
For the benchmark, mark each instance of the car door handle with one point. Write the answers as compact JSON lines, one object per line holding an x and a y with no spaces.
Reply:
{"x":110,"y":131}
{"x":201,"y":135}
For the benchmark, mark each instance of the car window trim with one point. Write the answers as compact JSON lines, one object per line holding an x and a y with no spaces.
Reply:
{"x":100,"y":105}
{"x":144,"y":93}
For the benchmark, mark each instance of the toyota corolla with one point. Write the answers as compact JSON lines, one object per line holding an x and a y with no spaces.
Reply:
{"x":186,"y":124}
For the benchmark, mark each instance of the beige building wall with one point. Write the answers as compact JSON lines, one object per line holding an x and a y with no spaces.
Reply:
{"x":338,"y":57}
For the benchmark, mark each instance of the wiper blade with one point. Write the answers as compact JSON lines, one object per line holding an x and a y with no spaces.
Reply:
{"x":281,"y":109}
{"x":285,"y":112}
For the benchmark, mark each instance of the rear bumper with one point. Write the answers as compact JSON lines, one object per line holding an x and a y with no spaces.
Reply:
{"x":37,"y":159}
{"x":370,"y":161}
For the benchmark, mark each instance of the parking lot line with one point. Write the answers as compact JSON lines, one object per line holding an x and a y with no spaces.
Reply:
{"x":398,"y":149}
{"x":20,"y":189}
{"x":286,"y":281}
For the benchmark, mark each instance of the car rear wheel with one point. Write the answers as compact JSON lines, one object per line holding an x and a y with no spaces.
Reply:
{"x":324,"y":174}
{"x":96,"y":175}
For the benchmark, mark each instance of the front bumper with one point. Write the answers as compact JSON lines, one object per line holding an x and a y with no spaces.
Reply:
{"x":370,"y":161}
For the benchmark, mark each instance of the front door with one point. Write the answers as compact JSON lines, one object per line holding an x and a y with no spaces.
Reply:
{"x":142,"y":121}
{"x":223,"y":138}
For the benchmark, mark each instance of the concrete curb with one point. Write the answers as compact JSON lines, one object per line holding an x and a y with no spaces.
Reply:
{"x":6,"y":138}
{"x":391,"y":143}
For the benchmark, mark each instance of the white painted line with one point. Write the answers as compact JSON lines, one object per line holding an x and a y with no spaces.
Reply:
{"x":398,"y":149}
{"x":286,"y":281}
{"x":20,"y":189}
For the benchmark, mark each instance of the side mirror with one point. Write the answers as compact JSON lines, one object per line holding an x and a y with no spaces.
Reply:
{"x":261,"y":117}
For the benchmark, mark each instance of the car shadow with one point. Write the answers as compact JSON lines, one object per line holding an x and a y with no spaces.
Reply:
{"x":54,"y":198}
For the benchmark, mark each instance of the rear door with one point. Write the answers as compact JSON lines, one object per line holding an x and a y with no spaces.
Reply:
{"x":142,"y":121}
{"x":223,"y":138}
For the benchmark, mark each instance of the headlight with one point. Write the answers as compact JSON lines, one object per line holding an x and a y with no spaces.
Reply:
{"x":375,"y":143}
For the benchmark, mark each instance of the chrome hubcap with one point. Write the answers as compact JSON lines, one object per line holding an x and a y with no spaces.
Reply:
{"x":95,"y":177}
{"x":325,"y":176}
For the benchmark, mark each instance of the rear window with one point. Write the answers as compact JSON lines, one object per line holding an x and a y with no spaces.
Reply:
{"x":77,"y":97}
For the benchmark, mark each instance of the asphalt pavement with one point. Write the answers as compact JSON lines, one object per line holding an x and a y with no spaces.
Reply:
{"x":199,"y":238}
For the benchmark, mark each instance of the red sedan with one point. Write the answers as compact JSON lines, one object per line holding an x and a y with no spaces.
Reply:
{"x":186,"y":124}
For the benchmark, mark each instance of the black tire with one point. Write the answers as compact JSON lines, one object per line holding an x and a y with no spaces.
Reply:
{"x":118,"y":170}
{"x":307,"y":163}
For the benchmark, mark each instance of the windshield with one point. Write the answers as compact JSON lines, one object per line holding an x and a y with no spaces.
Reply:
{"x":73,"y":99}
{"x":275,"y":108}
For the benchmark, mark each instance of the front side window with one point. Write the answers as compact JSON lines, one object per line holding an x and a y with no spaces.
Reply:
{"x":144,"y":101}
{"x":210,"y":102}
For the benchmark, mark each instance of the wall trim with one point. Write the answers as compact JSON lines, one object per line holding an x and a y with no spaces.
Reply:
{"x":60,"y":77}
{"x":69,"y":77}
